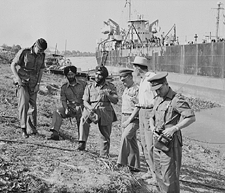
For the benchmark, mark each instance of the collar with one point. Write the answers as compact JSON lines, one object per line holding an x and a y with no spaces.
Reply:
{"x":170,"y":94}
{"x":77,"y":82}
{"x":101,"y":85}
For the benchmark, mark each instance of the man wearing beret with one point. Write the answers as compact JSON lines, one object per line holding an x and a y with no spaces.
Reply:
{"x":144,"y":108}
{"x":27,"y":79}
{"x":72,"y":103}
{"x":129,"y":151}
{"x":171,"y":113}
{"x":98,"y":97}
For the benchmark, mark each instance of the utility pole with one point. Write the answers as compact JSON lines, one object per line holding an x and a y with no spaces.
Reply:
{"x":218,"y":19}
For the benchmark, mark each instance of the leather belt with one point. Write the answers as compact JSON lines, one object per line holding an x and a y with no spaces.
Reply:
{"x":146,"y":107}
{"x":126,"y":114}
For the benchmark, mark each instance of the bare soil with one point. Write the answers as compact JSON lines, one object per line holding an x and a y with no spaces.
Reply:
{"x":40,"y":165}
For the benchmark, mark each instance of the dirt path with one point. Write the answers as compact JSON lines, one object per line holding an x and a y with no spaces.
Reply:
{"x":40,"y":165}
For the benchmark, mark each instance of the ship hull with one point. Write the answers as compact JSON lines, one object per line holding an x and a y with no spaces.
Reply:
{"x":197,"y":69}
{"x":206,"y":59}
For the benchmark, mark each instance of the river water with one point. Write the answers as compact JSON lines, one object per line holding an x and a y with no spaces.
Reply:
{"x":209,"y":127}
{"x":83,"y":63}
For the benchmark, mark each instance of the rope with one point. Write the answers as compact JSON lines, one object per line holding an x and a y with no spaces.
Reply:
{"x":23,"y":142}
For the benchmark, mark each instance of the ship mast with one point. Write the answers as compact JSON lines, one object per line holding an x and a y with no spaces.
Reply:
{"x":218,"y":19}
{"x":129,"y":11}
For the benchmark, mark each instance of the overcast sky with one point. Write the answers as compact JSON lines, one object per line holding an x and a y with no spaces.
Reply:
{"x":76,"y":24}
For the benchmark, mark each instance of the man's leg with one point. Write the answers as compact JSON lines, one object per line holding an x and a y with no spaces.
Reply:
{"x":23,"y":106}
{"x":105,"y":132}
{"x":129,"y":151}
{"x":32,"y":114}
{"x":84,"y":129}
{"x":149,"y":142}
{"x":57,"y":118}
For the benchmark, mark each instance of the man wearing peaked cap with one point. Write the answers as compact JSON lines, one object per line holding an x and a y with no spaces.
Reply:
{"x":144,"y":109}
{"x":129,"y":151}
{"x":27,"y":79}
{"x":72,"y":103}
{"x":158,"y":80}
{"x":171,"y":113}
{"x":125,"y":72}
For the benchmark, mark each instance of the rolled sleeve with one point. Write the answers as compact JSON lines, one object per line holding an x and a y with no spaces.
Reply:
{"x":19,"y":57}
{"x":63,"y":94}
{"x":183,"y":108}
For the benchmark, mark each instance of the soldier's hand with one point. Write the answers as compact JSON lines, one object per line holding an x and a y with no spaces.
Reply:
{"x":104,"y":92}
{"x":168,"y":132}
{"x":66,"y":111}
{"x":125,"y":123}
{"x":37,"y":88}
{"x":17,"y":81}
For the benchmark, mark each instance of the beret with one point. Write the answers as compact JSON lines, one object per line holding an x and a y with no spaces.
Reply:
{"x":158,"y":80}
{"x":125,"y":72}
{"x":70,"y":68}
{"x":41,"y":44}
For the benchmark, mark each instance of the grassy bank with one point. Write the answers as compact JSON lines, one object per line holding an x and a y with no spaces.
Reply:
{"x":40,"y":165}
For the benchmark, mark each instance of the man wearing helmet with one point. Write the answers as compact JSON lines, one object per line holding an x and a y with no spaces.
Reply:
{"x":27,"y":79}
{"x":98,"y":97}
{"x":72,"y":103}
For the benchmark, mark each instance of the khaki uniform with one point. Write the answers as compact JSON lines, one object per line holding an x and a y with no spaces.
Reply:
{"x":129,"y":151}
{"x":167,"y":164}
{"x":30,"y":66}
{"x":71,"y":96}
{"x":104,"y":111}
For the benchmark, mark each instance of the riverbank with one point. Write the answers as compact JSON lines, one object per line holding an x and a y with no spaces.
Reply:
{"x":40,"y":165}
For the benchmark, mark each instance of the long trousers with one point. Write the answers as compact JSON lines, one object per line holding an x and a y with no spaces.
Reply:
{"x":167,"y":167}
{"x":105,"y":132}
{"x":59,"y":115}
{"x":27,"y":108}
{"x":146,"y":138}
{"x":129,"y":151}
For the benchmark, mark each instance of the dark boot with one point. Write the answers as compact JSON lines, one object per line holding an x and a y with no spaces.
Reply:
{"x":24,"y":133}
{"x":82,"y":145}
{"x":54,"y":136}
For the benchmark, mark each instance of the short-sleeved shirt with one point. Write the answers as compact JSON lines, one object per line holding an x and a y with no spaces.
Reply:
{"x":146,"y":96}
{"x":102,"y":104}
{"x":30,"y":65}
{"x":130,"y":98}
{"x":73,"y":94}
{"x":172,"y":105}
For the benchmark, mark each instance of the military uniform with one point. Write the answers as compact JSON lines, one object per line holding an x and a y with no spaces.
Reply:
{"x":169,"y":111}
{"x":30,"y":65}
{"x":71,"y":96}
{"x":104,"y":110}
{"x":129,"y":151}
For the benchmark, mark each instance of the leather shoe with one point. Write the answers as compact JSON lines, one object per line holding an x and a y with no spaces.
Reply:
{"x":132,"y":169}
{"x":24,"y":133}
{"x":54,"y":137}
{"x":82,"y":145}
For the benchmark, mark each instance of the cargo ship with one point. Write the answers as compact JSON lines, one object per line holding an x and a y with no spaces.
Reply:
{"x":202,"y":62}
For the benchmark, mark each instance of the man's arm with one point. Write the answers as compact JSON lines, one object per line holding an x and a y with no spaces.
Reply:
{"x":184,"y":123}
{"x":131,"y":117}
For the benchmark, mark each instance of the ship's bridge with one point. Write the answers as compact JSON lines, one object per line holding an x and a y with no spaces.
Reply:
{"x":139,"y":28}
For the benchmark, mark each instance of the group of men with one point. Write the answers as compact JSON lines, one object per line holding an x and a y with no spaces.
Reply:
{"x":151,"y":106}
